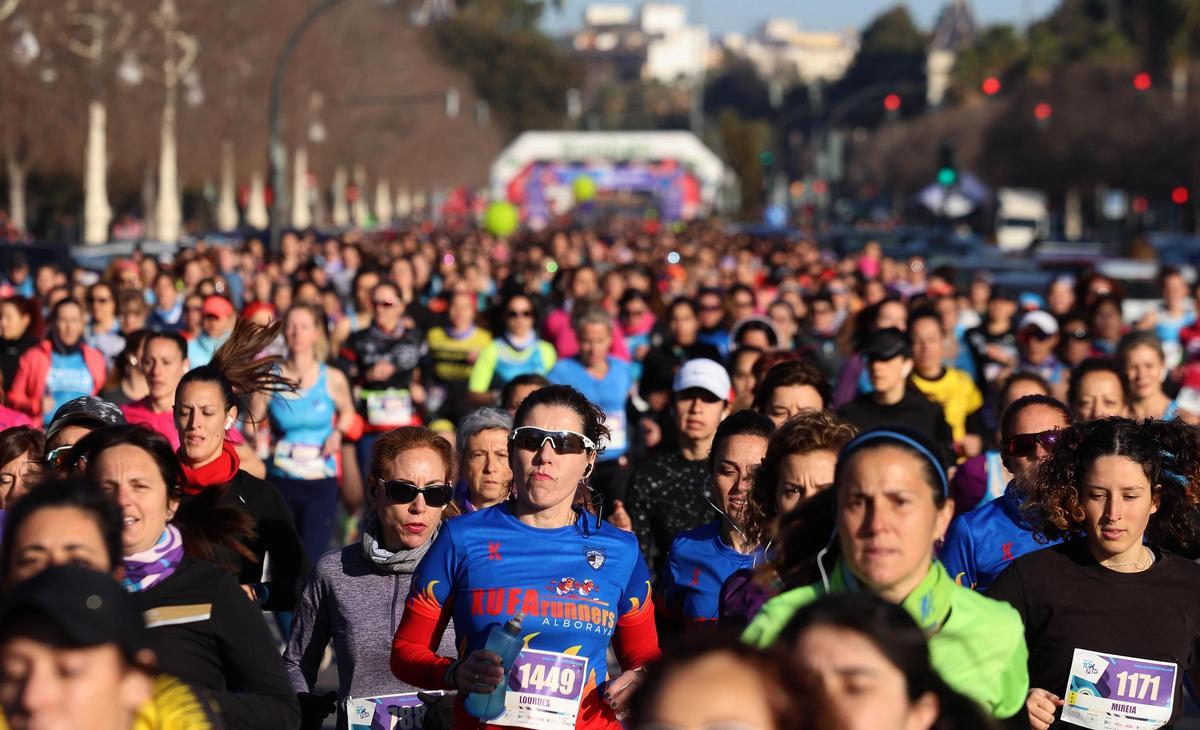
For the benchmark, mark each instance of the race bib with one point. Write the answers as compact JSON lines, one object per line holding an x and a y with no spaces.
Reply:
{"x":302,"y":461}
{"x":544,"y":691}
{"x":389,"y":408}
{"x":387,"y":712}
{"x":618,"y":429}
{"x":1113,"y":692}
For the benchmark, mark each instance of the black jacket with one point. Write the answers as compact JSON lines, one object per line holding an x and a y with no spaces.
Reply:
{"x":275,"y":534}
{"x":205,"y":631}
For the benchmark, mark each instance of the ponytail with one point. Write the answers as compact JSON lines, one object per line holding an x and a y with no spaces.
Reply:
{"x":239,"y":368}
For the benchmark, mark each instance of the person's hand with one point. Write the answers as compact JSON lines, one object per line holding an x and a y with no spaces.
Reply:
{"x":622,"y":688}
{"x":249,"y":591}
{"x":619,"y":517}
{"x":418,"y":392}
{"x":333,"y":444}
{"x":1040,"y":705}
{"x":381,"y":370}
{"x":315,"y":708}
{"x":652,"y":432}
{"x":481,"y":672}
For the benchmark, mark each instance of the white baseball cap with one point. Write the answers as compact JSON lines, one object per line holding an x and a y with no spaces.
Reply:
{"x":1041,"y":319}
{"x":706,"y":374}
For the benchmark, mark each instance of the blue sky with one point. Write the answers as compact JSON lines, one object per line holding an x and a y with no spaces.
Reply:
{"x":723,"y":16}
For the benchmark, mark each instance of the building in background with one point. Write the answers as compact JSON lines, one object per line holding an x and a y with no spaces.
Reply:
{"x":654,"y":44}
{"x":781,"y":49}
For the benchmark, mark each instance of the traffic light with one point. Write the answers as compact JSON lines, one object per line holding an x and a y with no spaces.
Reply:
{"x":1142,"y":81}
{"x":947,"y":171}
{"x":990,"y":86}
{"x":1180,"y":195}
{"x":1042,"y":113}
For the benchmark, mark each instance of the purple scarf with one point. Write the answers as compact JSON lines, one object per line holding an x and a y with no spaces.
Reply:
{"x":146,"y":568}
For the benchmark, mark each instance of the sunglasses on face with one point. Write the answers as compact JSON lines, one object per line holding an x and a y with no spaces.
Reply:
{"x":522,"y":313}
{"x":1025,"y":444}
{"x":398,"y":491}
{"x":531,"y":438}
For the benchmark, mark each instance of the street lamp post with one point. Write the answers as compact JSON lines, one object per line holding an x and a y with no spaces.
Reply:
{"x":276,"y":152}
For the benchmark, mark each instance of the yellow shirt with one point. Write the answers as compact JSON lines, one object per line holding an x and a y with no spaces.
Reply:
{"x":957,"y":394}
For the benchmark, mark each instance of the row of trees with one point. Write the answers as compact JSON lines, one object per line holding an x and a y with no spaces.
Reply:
{"x":142,"y":104}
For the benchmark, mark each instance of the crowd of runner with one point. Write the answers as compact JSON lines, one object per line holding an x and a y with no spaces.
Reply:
{"x":716,"y":481}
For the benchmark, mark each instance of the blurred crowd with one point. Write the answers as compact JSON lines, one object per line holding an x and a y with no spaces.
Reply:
{"x":834,"y":457}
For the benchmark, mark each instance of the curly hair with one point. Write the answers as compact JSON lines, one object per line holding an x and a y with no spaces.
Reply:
{"x":1168,"y":453}
{"x":803,"y":434}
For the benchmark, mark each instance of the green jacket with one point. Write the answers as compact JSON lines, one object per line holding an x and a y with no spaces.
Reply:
{"x":976,"y":644}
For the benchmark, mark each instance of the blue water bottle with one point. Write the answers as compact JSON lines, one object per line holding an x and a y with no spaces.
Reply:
{"x":505,"y":642}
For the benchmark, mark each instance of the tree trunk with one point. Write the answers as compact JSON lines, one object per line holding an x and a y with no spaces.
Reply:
{"x":227,"y":212}
{"x":16,"y":174}
{"x":168,"y":216}
{"x":1073,"y":215}
{"x":301,"y":213}
{"x":383,"y":203}
{"x":149,"y":197}
{"x":362,"y":213}
{"x":403,"y":203}
{"x":256,"y":207}
{"x":97,"y":213}
{"x":341,"y":214}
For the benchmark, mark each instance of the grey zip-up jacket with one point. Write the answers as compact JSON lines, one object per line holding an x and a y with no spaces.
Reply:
{"x":352,"y":602}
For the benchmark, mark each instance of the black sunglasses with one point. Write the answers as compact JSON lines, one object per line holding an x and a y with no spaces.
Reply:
{"x":402,"y":492}
{"x":531,"y":438}
{"x":1025,"y":444}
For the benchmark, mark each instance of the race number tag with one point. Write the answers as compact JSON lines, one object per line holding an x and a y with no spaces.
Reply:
{"x":389,"y":408}
{"x":387,"y":712}
{"x":618,"y":429}
{"x":544,"y":691}
{"x":302,"y":461}
{"x":1113,"y":692}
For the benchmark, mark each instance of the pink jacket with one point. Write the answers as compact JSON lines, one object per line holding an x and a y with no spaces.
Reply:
{"x":29,"y":384}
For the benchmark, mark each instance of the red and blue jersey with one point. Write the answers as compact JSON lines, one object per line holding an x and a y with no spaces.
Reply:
{"x":697,"y":567}
{"x":982,"y":543}
{"x":576,"y":585}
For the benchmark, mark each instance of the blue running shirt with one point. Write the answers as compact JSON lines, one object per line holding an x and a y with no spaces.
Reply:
{"x":698,"y":565}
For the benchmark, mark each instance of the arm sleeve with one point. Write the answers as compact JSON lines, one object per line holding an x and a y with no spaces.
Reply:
{"x":427,"y":610}
{"x":347,"y":360}
{"x":19,"y":395}
{"x":289,"y":565}
{"x":958,"y":554}
{"x":484,"y":370}
{"x":260,"y":695}
{"x":636,"y":639}
{"x":311,"y":632}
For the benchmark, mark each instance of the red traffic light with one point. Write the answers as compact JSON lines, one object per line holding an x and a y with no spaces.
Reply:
{"x":1142,"y":81}
{"x":891,"y":102}
{"x":1043,"y":111}
{"x":1179,"y":196}
{"x":990,"y":85}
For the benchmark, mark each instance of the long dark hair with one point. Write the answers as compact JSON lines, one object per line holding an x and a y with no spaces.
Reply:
{"x":898,"y":639}
{"x":77,"y":493}
{"x":211,"y":530}
{"x":237,"y":368}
